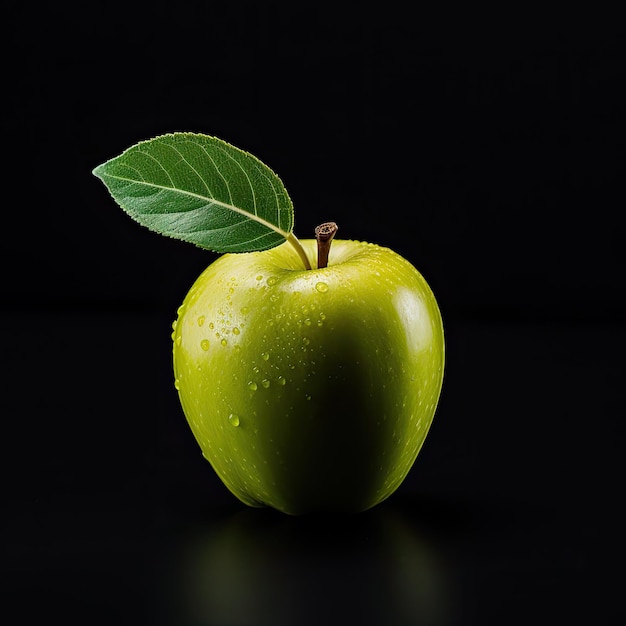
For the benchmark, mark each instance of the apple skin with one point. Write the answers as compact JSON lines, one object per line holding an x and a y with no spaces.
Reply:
{"x":310,"y":390}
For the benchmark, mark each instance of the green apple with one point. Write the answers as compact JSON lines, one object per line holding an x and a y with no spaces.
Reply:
{"x":310,"y":389}
{"x":309,"y":373}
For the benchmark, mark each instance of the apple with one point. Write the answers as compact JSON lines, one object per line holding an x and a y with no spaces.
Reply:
{"x":309,"y":373}
{"x":310,"y":390}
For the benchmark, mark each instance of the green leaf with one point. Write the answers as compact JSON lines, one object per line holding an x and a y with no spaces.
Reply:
{"x":202,"y":190}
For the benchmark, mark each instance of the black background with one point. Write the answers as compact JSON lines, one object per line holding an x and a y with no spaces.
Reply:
{"x":486,"y":149}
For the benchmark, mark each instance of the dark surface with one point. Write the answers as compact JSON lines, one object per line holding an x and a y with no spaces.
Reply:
{"x":491,"y":157}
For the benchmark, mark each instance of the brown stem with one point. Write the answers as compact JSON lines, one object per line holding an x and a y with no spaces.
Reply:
{"x":324,"y":234}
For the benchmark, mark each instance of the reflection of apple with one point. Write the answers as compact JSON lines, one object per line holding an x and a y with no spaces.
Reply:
{"x":259,"y":567}
{"x":310,"y":390}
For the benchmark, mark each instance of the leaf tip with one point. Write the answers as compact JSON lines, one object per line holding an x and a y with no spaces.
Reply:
{"x":97,"y":171}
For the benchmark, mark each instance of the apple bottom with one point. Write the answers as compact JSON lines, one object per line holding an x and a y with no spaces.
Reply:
{"x":306,"y":398}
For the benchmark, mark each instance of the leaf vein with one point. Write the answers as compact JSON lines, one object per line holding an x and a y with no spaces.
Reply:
{"x":194,"y":170}
{"x":158,"y":163}
{"x":229,"y":156}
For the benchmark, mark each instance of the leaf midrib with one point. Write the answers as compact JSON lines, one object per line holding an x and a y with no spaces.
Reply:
{"x":209,"y":199}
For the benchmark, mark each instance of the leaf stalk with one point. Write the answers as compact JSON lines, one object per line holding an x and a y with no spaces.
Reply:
{"x":295,"y":242}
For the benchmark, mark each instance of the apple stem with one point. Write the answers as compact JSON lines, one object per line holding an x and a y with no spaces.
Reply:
{"x":295,"y":242}
{"x":324,"y":234}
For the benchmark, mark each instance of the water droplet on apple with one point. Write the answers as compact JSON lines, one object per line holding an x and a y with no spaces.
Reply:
{"x":306,"y":341}
{"x":265,"y":356}
{"x":177,"y":383}
{"x":281,"y":381}
{"x":223,"y":342}
{"x":272,"y":280}
{"x":201,"y":320}
{"x":174,"y":324}
{"x":321,"y":287}
{"x":259,"y":277}
{"x":236,"y":331}
{"x":252,"y":386}
{"x":233,"y":419}
{"x":180,"y":309}
{"x":204,"y":344}
{"x":179,"y":340}
{"x":173,"y":335}
{"x":211,"y":325}
{"x":307,"y":322}
{"x":266,"y":383}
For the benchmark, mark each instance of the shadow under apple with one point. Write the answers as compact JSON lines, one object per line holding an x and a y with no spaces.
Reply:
{"x":259,"y":566}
